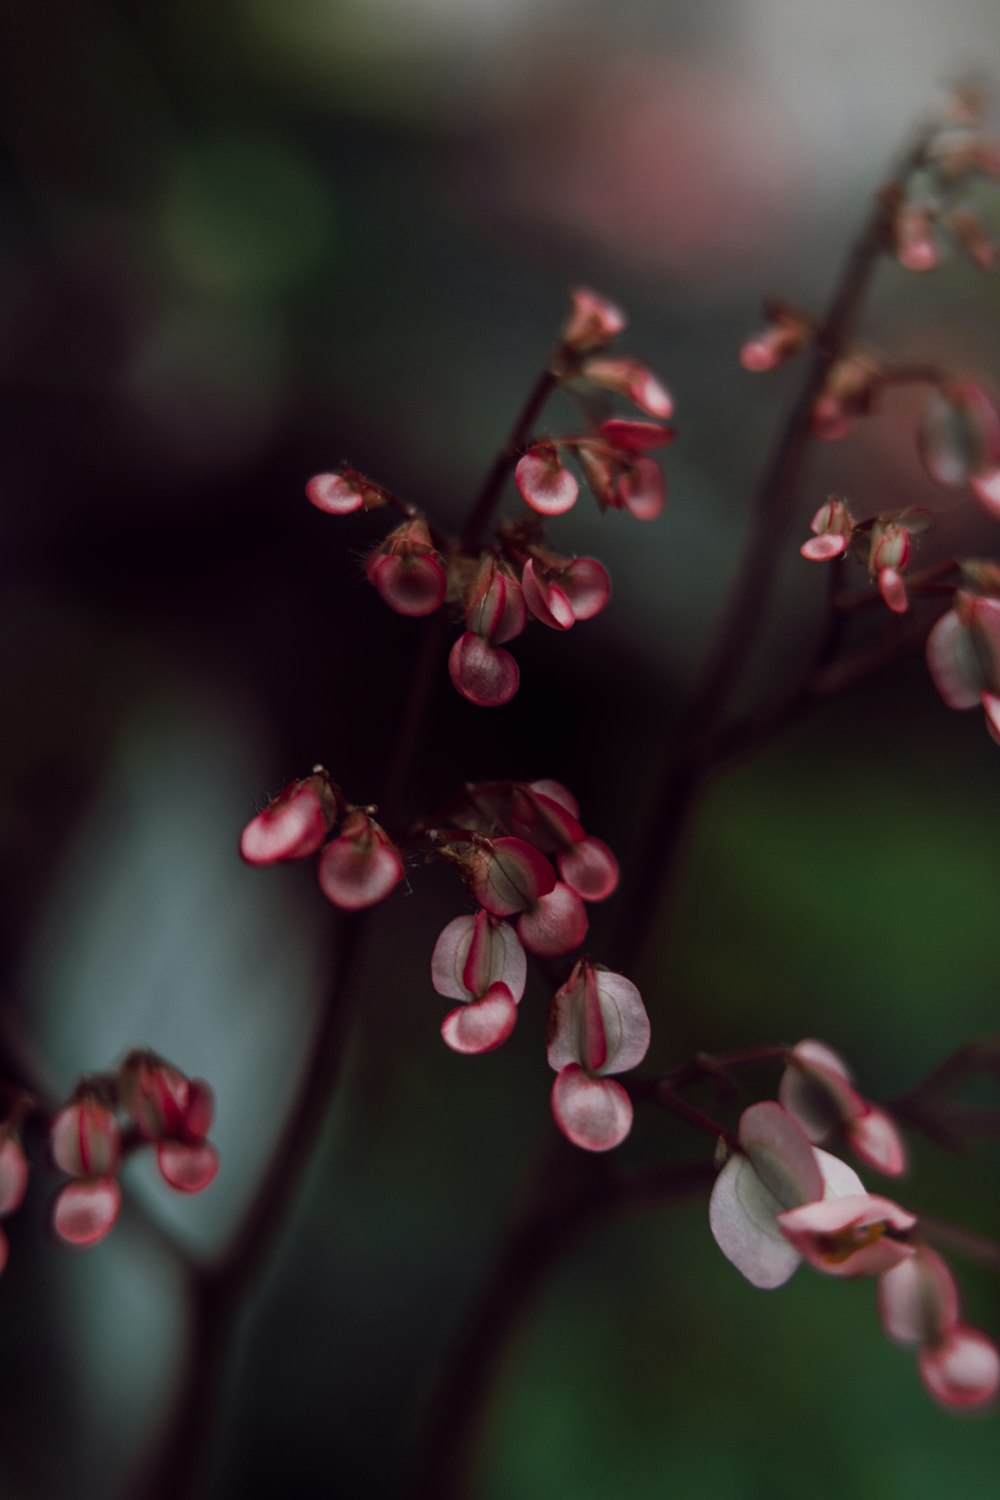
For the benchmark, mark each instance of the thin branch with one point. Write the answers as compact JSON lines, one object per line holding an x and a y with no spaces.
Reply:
{"x":503,"y":465}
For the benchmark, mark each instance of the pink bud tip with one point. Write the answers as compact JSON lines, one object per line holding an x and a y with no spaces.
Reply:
{"x":86,"y":1211}
{"x":593,"y":1113}
{"x":545,"y":484}
{"x":484,"y":674}
{"x":483,"y":1024}
{"x":962,"y":1370}
{"x":334,"y":494}
{"x":593,"y":321}
{"x":187,"y":1167}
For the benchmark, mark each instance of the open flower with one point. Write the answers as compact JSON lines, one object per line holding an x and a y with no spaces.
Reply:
{"x":817,"y":1088}
{"x":777,"y":1171}
{"x":597,"y":1025}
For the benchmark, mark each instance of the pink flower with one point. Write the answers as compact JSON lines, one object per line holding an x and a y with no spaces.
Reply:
{"x":479,"y":961}
{"x":758,"y":1209}
{"x":959,"y":441}
{"x":480,"y":669}
{"x":592,"y":323}
{"x":888,"y":555}
{"x":407,"y":571}
{"x":816,"y":1088}
{"x":832,"y":526}
{"x":631,"y":378}
{"x":787,"y":332}
{"x":544,"y":481}
{"x":918,"y":1304}
{"x":963,"y":656}
{"x":85,"y":1140}
{"x":361,"y":866}
{"x":597,"y":1025}
{"x":507,"y":875}
{"x":295,"y":824}
{"x":13,"y":1181}
{"x":176,"y":1113}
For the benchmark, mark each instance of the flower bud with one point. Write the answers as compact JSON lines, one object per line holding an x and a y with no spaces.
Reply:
{"x":407,"y":572}
{"x":786,"y":334}
{"x":831,"y":526}
{"x":631,"y":378}
{"x":592,"y":323}
{"x":544,"y":481}
{"x":958,"y":436}
{"x":85,"y":1138}
{"x":484,"y":674}
{"x":495,"y":608}
{"x":295,"y":824}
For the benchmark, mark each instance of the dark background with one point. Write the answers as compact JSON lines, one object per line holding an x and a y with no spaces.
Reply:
{"x":243,"y":242}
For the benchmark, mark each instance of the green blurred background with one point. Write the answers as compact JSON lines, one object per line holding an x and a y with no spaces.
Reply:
{"x":241,"y":243}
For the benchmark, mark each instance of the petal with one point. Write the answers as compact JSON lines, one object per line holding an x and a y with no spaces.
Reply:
{"x":412,"y":586}
{"x":823,"y":548}
{"x":474,"y":952}
{"x":892,"y":587}
{"x":200,"y":1110}
{"x":495,"y":608}
{"x":593,"y":1113}
{"x":542,"y":820}
{"x":482,"y":1024}
{"x":963,"y":1370}
{"x":509,"y":876}
{"x":85,"y":1139}
{"x":846,"y":1236}
{"x":484,"y":674}
{"x":86,"y":1211}
{"x":839,"y":1180}
{"x":589,"y":868}
{"x":819,"y":1097}
{"x":587,"y":586}
{"x":873,"y":1137}
{"x":918,"y":1299}
{"x":742,"y":1215}
{"x":986,"y":488}
{"x":991,"y":707}
{"x":334,"y":494}
{"x":780,"y":1154}
{"x":359,"y":870}
{"x":555,"y":924}
{"x":546,"y":601}
{"x":635,"y":437}
{"x":597,"y":1018}
{"x":558,"y":793}
{"x":953,"y":663}
{"x":188,"y":1168}
{"x":13,"y":1175}
{"x":593,"y":321}
{"x":641,"y":489}
{"x":958,"y":434}
{"x":545,"y":483}
{"x":293,"y":826}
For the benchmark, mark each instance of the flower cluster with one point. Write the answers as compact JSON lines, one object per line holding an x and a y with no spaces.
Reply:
{"x":357,"y":868}
{"x":497,"y":586}
{"x":779,"y":1199}
{"x":148,"y":1101}
{"x":883,"y":544}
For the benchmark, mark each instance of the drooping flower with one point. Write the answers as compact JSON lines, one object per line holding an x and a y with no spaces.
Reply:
{"x":597,"y":1025}
{"x":544,"y":481}
{"x":407,"y":571}
{"x":919,"y":1305}
{"x":85,"y":1140}
{"x":963,"y":656}
{"x":176,"y":1113}
{"x":481,"y":670}
{"x":832,"y":526}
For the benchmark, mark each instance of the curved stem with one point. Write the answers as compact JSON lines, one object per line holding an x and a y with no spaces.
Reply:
{"x":503,"y":465}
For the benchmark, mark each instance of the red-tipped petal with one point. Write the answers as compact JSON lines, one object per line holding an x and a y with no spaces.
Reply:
{"x":558,"y":793}
{"x":593,"y":1113}
{"x":635,"y":437}
{"x":412,"y":586}
{"x":780,"y":1153}
{"x":545,"y":483}
{"x":355,"y":872}
{"x":953,"y":662}
{"x":918,"y":1299}
{"x":874,"y":1138}
{"x":892,"y":587}
{"x":482,"y":1024}
{"x":641,"y":489}
{"x":334,"y":494}
{"x":597,"y":1018}
{"x":848,"y":1236}
{"x":742,"y":1215}
{"x":293,"y":826}
{"x":13,"y":1175}
{"x":555,"y":924}
{"x":510,"y":876}
{"x":86,"y":1211}
{"x":85,"y":1139}
{"x":484,"y":674}
{"x":546,"y":601}
{"x":590,"y":869}
{"x":823,"y":548}
{"x":587,"y":586}
{"x":474,"y":952}
{"x":959,"y":434}
{"x":962,"y":1370}
{"x":188,"y":1168}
